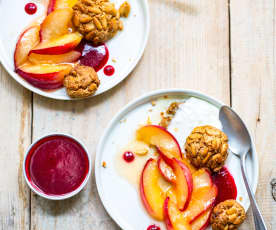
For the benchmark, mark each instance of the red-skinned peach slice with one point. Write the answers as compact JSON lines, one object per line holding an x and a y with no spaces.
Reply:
{"x":151,"y":193}
{"x":202,"y":199}
{"x":56,"y":24}
{"x":202,"y":221}
{"x":183,"y":184}
{"x":60,"y":4}
{"x":69,"y":57}
{"x":202,"y":178}
{"x":173,"y":217}
{"x":166,"y":170}
{"x":26,"y":42}
{"x":177,"y":220}
{"x":44,"y":76}
{"x":163,"y":140}
{"x":61,"y":45}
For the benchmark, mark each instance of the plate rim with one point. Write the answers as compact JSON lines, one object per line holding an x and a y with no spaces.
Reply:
{"x":132,"y":105}
{"x":123,"y":76}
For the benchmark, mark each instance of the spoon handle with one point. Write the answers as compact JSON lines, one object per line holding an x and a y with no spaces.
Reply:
{"x":258,"y":218}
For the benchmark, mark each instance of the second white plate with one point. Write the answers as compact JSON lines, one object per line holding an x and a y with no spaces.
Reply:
{"x":120,"y":198}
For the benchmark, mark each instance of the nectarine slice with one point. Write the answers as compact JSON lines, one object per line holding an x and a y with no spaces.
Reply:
{"x":202,"y":178}
{"x":183,"y":184}
{"x":177,"y":220}
{"x":202,"y":199}
{"x":166,"y":170}
{"x":202,"y":221}
{"x":164,"y":165}
{"x":174,"y":219}
{"x":56,"y":24}
{"x":152,"y":195}
{"x":61,"y":45}
{"x":163,"y":140}
{"x":26,"y":42}
{"x":69,"y":57}
{"x":60,"y":4}
{"x":44,"y":76}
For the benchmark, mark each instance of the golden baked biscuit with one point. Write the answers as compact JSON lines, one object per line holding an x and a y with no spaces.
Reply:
{"x":98,"y":20}
{"x":207,"y":146}
{"x":81,"y":82}
{"x":227,"y":215}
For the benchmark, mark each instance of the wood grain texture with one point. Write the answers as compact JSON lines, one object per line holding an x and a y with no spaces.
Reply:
{"x":188,"y":48}
{"x":15,"y":133}
{"x":253,"y":48}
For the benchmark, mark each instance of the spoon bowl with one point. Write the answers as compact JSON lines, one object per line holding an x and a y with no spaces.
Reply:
{"x":238,"y":136}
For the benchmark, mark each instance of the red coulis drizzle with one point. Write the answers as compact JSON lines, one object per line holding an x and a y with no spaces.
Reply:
{"x":57,"y":165}
{"x":153,"y":227}
{"x":93,"y":56}
{"x":225,"y":182}
{"x":30,"y":8}
{"x":109,"y":70}
{"x":128,"y":156}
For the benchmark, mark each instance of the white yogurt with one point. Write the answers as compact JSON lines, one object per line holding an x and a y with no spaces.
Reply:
{"x":192,"y":113}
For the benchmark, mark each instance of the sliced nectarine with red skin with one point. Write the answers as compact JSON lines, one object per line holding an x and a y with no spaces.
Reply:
{"x":202,"y":222}
{"x":69,"y":57}
{"x":162,"y":139}
{"x":173,"y":217}
{"x":56,"y":24}
{"x":183,"y":184}
{"x":166,"y":170}
{"x":202,"y":178}
{"x":202,"y":199}
{"x":151,"y":193}
{"x":44,"y":76}
{"x":177,"y":220}
{"x":26,"y":42}
{"x":60,"y":4}
{"x":61,"y":45}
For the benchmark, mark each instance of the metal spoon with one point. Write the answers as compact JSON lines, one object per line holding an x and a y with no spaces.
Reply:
{"x":240,"y":144}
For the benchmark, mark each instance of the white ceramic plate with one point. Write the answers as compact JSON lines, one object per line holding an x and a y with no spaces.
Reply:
{"x":119,"y":197}
{"x":126,"y":47}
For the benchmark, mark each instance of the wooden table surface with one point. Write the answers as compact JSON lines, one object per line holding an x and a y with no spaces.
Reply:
{"x":224,"y":49}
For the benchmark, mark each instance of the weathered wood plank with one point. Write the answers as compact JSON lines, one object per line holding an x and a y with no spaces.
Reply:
{"x":188,"y":48}
{"x":254,"y":88}
{"x":15,"y":133}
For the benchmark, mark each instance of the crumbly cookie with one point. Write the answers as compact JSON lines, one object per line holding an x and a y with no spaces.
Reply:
{"x":207,"y":146}
{"x":81,"y":82}
{"x":227,"y":215}
{"x":98,"y":20}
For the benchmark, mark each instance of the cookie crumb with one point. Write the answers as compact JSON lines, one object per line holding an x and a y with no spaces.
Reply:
{"x":240,"y":198}
{"x":114,"y":60}
{"x":166,"y":119}
{"x":104,"y":164}
{"x":153,"y":103}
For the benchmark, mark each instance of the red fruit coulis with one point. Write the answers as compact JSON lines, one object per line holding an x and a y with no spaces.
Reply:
{"x":30,"y":8}
{"x":128,"y":156}
{"x":93,"y":56}
{"x":225,"y":182}
{"x":57,"y":165}
{"x":109,"y":70}
{"x":153,"y":227}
